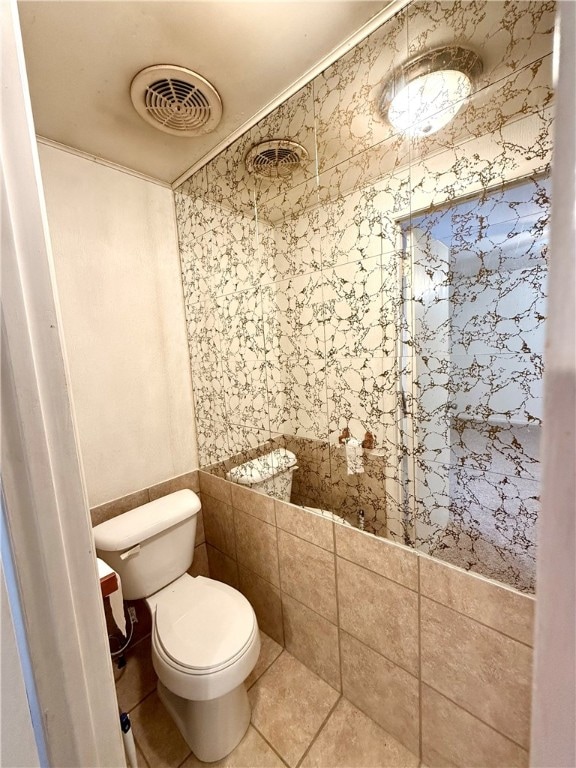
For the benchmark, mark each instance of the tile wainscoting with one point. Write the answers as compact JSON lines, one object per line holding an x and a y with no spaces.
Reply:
{"x":438,"y":657}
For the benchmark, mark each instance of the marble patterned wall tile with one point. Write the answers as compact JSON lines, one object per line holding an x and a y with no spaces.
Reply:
{"x":508,"y":35}
{"x":209,"y":390}
{"x":353,"y":309}
{"x":228,"y":183}
{"x":204,"y":330}
{"x":293,"y":311}
{"x":520,"y":148}
{"x":347,"y":92}
{"x":297,"y":395}
{"x":245,"y":390}
{"x":194,"y":212}
{"x":509,"y":449}
{"x":496,"y":388}
{"x":499,"y":312}
{"x":293,"y":245}
{"x":240,"y":318}
{"x":198,"y":267}
{"x":350,"y":228}
{"x":281,"y":200}
{"x":239,"y":263}
{"x":245,"y":443}
{"x":355,"y":391}
{"x":379,"y":163}
{"x":212,"y":436}
{"x":492,"y":528}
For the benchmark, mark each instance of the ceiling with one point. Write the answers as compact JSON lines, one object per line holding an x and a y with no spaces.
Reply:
{"x":81,"y":56}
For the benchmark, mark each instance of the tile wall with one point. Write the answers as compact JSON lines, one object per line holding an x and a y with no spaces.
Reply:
{"x":439,"y":658}
{"x":303,"y":297}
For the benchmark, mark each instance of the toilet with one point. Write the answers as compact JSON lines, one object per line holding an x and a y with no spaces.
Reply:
{"x":205,"y":638}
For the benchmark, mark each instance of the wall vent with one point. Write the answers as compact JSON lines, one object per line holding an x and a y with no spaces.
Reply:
{"x":276,"y":159}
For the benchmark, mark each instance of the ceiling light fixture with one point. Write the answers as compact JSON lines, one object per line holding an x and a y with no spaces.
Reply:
{"x":424,"y":95}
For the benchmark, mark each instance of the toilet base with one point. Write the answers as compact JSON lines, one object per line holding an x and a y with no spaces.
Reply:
{"x":213,"y":728}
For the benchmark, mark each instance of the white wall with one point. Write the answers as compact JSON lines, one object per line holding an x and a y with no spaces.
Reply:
{"x":17,"y":743}
{"x":118,"y":275}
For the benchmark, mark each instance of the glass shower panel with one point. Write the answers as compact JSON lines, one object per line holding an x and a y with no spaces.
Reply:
{"x":477,"y":309}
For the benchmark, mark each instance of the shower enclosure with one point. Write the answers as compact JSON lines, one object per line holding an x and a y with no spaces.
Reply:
{"x":390,"y":290}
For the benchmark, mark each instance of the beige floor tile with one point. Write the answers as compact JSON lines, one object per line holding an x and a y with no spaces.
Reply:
{"x":252,"y":752}
{"x":142,"y":762}
{"x":157,"y":735}
{"x":289,"y":705}
{"x":138,"y":678}
{"x":269,"y":652}
{"x":350,"y":739}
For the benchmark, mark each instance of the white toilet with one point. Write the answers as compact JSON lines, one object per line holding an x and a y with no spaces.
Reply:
{"x":205,"y":639}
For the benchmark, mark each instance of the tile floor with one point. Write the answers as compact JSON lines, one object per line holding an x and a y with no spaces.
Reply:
{"x":297,"y":720}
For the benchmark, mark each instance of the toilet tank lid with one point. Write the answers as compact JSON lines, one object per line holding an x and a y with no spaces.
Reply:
{"x":263,"y":468}
{"x":141,"y":523}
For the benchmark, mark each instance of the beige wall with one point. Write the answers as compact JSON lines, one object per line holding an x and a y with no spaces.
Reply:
{"x":118,"y":277}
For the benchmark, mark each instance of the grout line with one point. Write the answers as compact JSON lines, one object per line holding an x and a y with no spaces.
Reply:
{"x":319,"y":731}
{"x":338,"y":614}
{"x":481,"y":623}
{"x":377,"y":573}
{"x":268,"y":667}
{"x":272,"y":747}
{"x":420,"y":722}
{"x":382,"y":728}
{"x":379,"y":653}
{"x":488,"y":725}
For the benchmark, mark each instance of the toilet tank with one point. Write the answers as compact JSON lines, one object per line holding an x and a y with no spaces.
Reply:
{"x":270,"y":473}
{"x":152,"y":545}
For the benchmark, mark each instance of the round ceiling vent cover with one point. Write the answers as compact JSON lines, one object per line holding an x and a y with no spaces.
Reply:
{"x":276,"y":159}
{"x":176,"y":100}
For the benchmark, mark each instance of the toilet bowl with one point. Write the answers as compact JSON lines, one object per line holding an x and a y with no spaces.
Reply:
{"x":205,"y":638}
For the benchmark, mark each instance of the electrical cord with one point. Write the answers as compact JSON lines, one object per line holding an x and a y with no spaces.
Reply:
{"x":127,"y":643}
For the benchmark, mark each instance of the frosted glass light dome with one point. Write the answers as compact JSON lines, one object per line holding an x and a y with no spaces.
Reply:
{"x":429,"y":103}
{"x":424,"y":95}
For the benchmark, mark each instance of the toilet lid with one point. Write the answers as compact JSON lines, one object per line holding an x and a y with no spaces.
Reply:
{"x":205,"y":626}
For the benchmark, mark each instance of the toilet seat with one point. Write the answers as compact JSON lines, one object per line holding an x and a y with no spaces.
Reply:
{"x":205,"y":638}
{"x":203,"y":625}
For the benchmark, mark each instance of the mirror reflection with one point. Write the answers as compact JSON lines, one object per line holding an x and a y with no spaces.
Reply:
{"x":366,"y":305}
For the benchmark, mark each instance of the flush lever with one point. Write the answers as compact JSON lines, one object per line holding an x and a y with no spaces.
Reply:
{"x":130,"y":552}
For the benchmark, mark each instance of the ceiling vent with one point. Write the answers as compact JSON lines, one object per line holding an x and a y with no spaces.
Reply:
{"x":277,"y":159}
{"x":176,"y":100}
